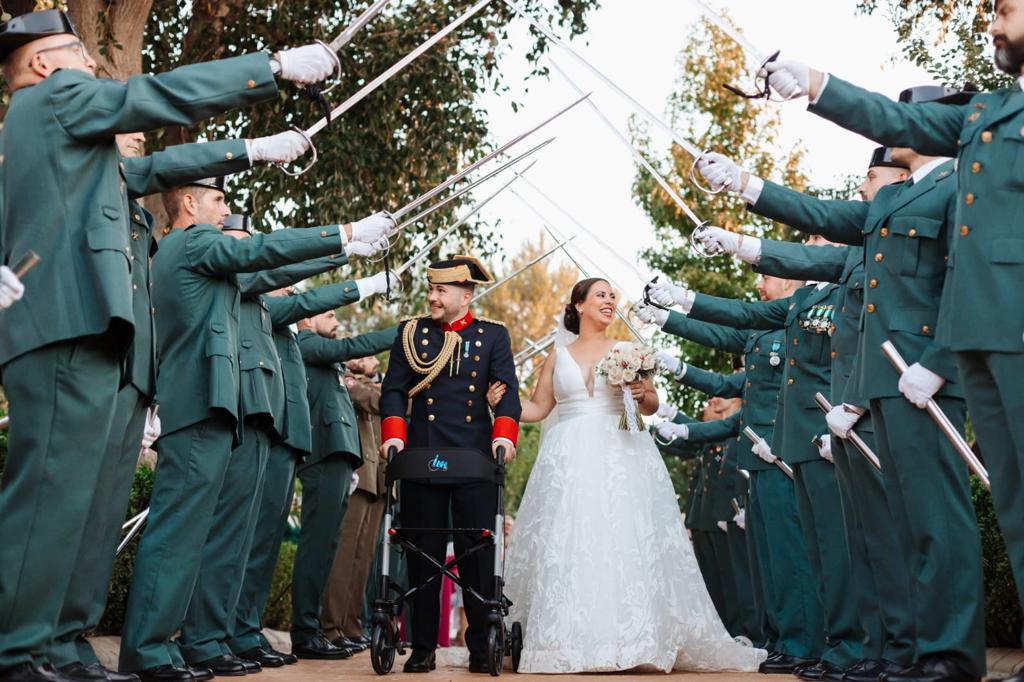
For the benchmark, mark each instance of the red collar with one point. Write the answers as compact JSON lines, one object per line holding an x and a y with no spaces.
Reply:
{"x":458,"y":325}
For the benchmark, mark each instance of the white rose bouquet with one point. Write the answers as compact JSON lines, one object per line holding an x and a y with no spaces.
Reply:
{"x":625,"y":363}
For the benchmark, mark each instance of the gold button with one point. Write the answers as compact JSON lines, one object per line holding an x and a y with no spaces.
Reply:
{"x":873,"y":283}
{"x":833,"y":355}
{"x":476,"y":358}
{"x":969,"y":199}
{"x":912,"y":232}
{"x":748,"y":384}
{"x":789,"y":381}
{"x":796,"y":342}
{"x":973,"y":117}
{"x":469,"y":403}
{"x":926,"y":329}
{"x":986,"y":136}
{"x":753,"y":367}
{"x":879,"y":257}
{"x":251,"y":84}
{"x":792,"y":362}
{"x":136,"y":217}
{"x":135,"y":286}
{"x":473,"y":374}
{"x":430,"y":401}
{"x":167,"y":230}
{"x":425,"y":342}
{"x":424,"y":330}
{"x":884,"y":232}
{"x":472,"y":389}
{"x":964,"y":230}
{"x":479,"y":331}
{"x":261,"y":363}
{"x":757,"y":349}
{"x":479,"y":343}
{"x":870,"y":307}
{"x":229,"y":156}
{"x":347,"y":289}
{"x":468,"y":419}
{"x":423,"y":355}
{"x":323,"y":233}
{"x":975,"y":167}
{"x":430,"y":417}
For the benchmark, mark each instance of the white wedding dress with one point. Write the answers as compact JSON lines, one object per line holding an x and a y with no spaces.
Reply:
{"x":599,"y":567}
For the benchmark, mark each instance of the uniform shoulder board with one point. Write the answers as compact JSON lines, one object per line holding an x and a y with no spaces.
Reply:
{"x":414,"y":318}
{"x":489,"y":321}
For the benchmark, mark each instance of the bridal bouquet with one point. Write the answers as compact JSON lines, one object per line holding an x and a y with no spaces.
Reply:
{"x":625,"y":363}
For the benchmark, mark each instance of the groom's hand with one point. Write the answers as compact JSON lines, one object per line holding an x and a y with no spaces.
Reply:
{"x":395,"y":443}
{"x":510,"y":449}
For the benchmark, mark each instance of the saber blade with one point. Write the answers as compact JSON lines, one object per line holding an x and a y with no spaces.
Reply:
{"x":942,"y":421}
{"x":522,"y":269}
{"x":855,"y":438}
{"x":730,"y":30}
{"x":346,"y":36}
{"x":394,"y":68}
{"x":755,"y":439}
{"x":419,"y":201}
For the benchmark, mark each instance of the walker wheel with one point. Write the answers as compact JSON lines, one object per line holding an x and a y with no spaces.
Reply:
{"x":516,"y":644}
{"x":382,"y":648}
{"x":495,"y":648}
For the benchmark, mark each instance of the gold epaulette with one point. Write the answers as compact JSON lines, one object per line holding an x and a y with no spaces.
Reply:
{"x":490,"y":321}
{"x":413,"y":318}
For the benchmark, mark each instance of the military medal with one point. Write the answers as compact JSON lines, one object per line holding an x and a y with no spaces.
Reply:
{"x":773,"y":356}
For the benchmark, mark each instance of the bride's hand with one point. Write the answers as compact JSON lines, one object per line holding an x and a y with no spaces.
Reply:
{"x":638,"y":390}
{"x":495,"y":393}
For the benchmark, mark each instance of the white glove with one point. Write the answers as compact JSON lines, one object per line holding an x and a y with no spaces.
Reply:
{"x":648,"y":314}
{"x":365,"y":250}
{"x":374,"y":284}
{"x":669,"y":362}
{"x":354,"y":484}
{"x":789,"y":78}
{"x":741,"y":519}
{"x":723,"y":526}
{"x":281,"y":148}
{"x":11,"y":288}
{"x":716,"y":240}
{"x":720,"y":171}
{"x":667,"y":411}
{"x":842,"y":418}
{"x":670,"y":430}
{"x":668,"y":294}
{"x":152,"y":430}
{"x":307,"y":64}
{"x":764,"y":451}
{"x":825,"y":449}
{"x":372,"y":229}
{"x":918,"y":384}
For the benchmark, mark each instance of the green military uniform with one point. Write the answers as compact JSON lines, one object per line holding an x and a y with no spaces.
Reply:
{"x":196,"y":307}
{"x":905,"y":233}
{"x":792,"y":618}
{"x":62,"y":347}
{"x":982,"y":316}
{"x":292,"y":444}
{"x":326,"y":475}
{"x":87,"y":595}
{"x":806,"y":317}
{"x":879,"y":580}
{"x":702,"y":526}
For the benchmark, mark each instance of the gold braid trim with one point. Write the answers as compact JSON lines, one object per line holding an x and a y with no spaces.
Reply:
{"x":489,"y":321}
{"x":431,"y":368}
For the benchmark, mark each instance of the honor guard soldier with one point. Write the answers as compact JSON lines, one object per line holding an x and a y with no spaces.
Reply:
{"x":443,"y":363}
{"x":326,"y":475}
{"x":792,"y":624}
{"x":906,"y":233}
{"x":982,"y":313}
{"x":881,"y":577}
{"x":60,"y":129}
{"x":806,"y":318}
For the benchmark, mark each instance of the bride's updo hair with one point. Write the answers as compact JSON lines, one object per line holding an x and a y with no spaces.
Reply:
{"x":579,"y":294}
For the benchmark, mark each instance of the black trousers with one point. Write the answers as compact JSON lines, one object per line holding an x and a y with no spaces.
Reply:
{"x":428,"y":506}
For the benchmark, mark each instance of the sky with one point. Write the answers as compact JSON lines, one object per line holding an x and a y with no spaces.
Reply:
{"x":636,"y":43}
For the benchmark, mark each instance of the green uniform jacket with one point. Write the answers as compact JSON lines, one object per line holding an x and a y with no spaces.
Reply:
{"x":806,"y":318}
{"x":61,"y":145}
{"x":332,"y":415}
{"x":905,"y":233}
{"x":986,"y":256}
{"x":196,"y":306}
{"x":147,"y":175}
{"x":764,"y":354}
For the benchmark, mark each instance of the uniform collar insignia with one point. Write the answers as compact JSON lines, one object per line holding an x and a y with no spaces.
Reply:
{"x":458,"y":325}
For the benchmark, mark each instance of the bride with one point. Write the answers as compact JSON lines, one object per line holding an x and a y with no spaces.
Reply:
{"x":599,"y":568}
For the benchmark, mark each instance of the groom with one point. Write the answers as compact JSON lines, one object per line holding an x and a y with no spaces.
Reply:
{"x":441,"y":366}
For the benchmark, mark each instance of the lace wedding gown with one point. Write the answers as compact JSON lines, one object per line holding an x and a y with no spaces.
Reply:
{"x":600,"y":570}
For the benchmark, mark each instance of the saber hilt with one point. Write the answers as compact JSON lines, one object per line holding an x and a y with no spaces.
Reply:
{"x":755,"y":439}
{"x":695,"y":179}
{"x":761,"y":90}
{"x":735,"y":505}
{"x":853,"y":436}
{"x":697,"y":247}
{"x":312,"y":162}
{"x":647,"y":296}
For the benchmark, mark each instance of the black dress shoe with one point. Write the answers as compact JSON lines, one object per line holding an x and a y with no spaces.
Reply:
{"x":819,"y":670}
{"x":420,"y":662}
{"x":870,"y":671}
{"x":319,"y":648}
{"x":478,"y":663}
{"x":785,"y":665}
{"x":346,"y":643}
{"x":933,"y":669}
{"x":200,"y":674}
{"x":361,"y":640}
{"x":774,"y":655}
{"x":263,"y":657}
{"x":223,"y":666}
{"x":26,"y":672}
{"x":289,"y":659}
{"x":165,"y":673}
{"x":251,"y":667}
{"x":95,"y":672}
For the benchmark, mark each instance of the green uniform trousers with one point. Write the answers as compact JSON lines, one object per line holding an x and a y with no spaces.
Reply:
{"x":796,"y":604}
{"x":190,"y":472}
{"x":887,"y":612}
{"x":760,"y":569}
{"x":749,"y":622}
{"x":211,"y":611}
{"x":821,"y":518}
{"x":325,"y":486}
{"x":730,"y":612}
{"x":87,"y":595}
{"x":927,"y":483}
{"x":62,"y":399}
{"x":704,"y":550}
{"x":271,"y":524}
{"x":992,"y":383}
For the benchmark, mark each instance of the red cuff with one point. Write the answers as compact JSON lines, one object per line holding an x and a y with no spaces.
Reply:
{"x":505,"y":427}
{"x":393,"y":427}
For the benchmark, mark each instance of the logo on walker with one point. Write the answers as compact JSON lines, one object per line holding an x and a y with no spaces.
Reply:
{"x":438,"y":464}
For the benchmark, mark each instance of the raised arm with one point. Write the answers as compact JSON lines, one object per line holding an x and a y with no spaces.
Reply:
{"x":213,"y":253}
{"x":183,"y":163}
{"x":796,"y":261}
{"x":714,"y":384}
{"x":264,"y":281}
{"x":719,"y":337}
{"x":716,"y":429}
{"x":285,"y":310}
{"x":740,"y":314}
{"x":316,"y":350}
{"x":836,"y":220}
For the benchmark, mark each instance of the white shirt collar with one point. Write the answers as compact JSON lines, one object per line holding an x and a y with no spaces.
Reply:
{"x":922,"y":172}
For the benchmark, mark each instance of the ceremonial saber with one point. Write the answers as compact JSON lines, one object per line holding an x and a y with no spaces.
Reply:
{"x":744,"y":473}
{"x":138,"y":521}
{"x":356,"y":26}
{"x":735,"y":505}
{"x":690,"y":148}
{"x":523,"y":269}
{"x":5,"y":422}
{"x":25,"y":263}
{"x":533,"y":346}
{"x":755,"y":439}
{"x":534,"y":352}
{"x":854,"y":437}
{"x":639,"y":158}
{"x":940,"y":418}
{"x":361,"y":94}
